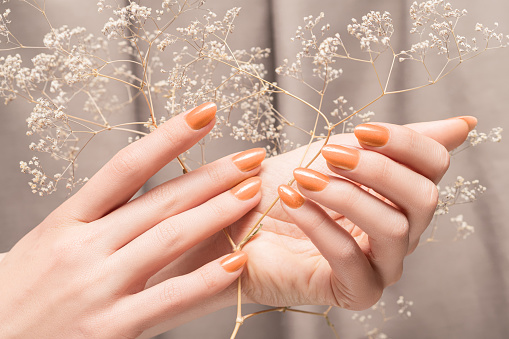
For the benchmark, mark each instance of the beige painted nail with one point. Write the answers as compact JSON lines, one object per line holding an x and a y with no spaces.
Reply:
{"x":290,"y":197}
{"x":342,"y":157}
{"x":234,"y":261}
{"x":200,"y":116}
{"x":247,"y":189}
{"x":372,"y":135}
{"x":310,"y":179}
{"x":250,"y":159}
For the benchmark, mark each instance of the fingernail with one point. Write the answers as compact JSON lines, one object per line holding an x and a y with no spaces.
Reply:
{"x":372,"y":135}
{"x":250,"y":159}
{"x":234,"y":261}
{"x":471,"y":121}
{"x":247,"y":189}
{"x":342,"y":157}
{"x":311,"y":180}
{"x":290,"y":196}
{"x":201,"y":115}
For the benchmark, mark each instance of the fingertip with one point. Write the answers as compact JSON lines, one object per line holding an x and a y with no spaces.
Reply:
{"x":373,"y":135}
{"x":470,"y":120}
{"x":247,"y":189}
{"x":201,"y":115}
{"x":290,"y":197}
{"x":249,"y":160}
{"x":234,"y":262}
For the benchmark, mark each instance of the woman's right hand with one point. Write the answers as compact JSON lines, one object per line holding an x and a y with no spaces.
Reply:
{"x":82,"y":272}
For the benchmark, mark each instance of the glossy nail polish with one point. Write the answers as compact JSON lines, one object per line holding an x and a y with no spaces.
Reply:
{"x":311,"y":180}
{"x":234,"y":261}
{"x":247,"y":189}
{"x":372,"y":135}
{"x":200,"y":116}
{"x":342,"y":157}
{"x":290,"y":197}
{"x":471,"y":121}
{"x":250,"y":159}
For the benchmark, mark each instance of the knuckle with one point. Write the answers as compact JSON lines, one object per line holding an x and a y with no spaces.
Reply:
{"x":170,"y":134}
{"x":401,"y":230}
{"x":443,"y":160}
{"x":219,"y":210}
{"x":384,"y":170}
{"x":431,"y":195}
{"x":375,"y":295}
{"x":413,"y":139}
{"x":351,"y":195}
{"x":173,"y":297}
{"x":125,"y":162}
{"x":349,"y":252}
{"x":315,"y":221}
{"x":396,"y":275}
{"x":216,"y":173}
{"x":207,"y":278}
{"x":169,"y":234}
{"x":164,"y":197}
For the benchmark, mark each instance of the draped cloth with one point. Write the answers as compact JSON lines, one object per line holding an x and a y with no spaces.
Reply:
{"x":460,"y":289}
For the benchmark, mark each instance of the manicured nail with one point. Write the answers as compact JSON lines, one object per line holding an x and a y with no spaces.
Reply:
{"x":311,"y":180}
{"x":372,"y":135}
{"x":290,"y":196}
{"x":201,"y":115}
{"x":250,"y":159}
{"x":339,"y":156}
{"x":248,"y":188}
{"x":471,"y":121}
{"x":234,"y":261}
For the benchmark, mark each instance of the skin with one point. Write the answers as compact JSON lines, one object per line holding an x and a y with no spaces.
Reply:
{"x":93,"y":264}
{"x":328,"y":258}
{"x":82,"y":272}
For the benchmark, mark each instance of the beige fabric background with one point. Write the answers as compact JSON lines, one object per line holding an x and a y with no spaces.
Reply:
{"x":459,"y":289}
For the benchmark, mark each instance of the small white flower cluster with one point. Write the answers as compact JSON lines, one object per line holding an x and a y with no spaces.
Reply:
{"x":132,"y":14}
{"x":322,"y":53}
{"x":10,"y":67}
{"x":404,"y":307}
{"x":4,"y":21}
{"x":44,"y":116}
{"x":375,"y":29}
{"x":463,"y":229}
{"x":440,"y":20}
{"x":490,"y":34}
{"x":378,"y":313}
{"x":475,"y":138}
{"x":40,"y":184}
{"x":460,"y":192}
{"x":198,"y":31}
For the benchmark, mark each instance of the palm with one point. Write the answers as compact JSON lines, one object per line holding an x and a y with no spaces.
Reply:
{"x":285,"y":268}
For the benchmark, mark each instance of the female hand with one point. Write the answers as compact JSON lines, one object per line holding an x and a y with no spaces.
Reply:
{"x":83,"y":271}
{"x":347,"y":256}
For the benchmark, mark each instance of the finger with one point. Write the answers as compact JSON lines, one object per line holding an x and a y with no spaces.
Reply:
{"x":166,"y":241}
{"x":406,"y":146}
{"x":117,"y":181}
{"x":174,"y":296}
{"x":386,"y":227}
{"x":351,"y":269}
{"x":178,"y":195}
{"x":451,"y":132}
{"x":415,"y":195}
